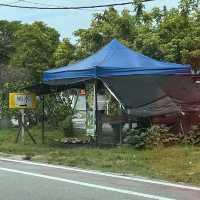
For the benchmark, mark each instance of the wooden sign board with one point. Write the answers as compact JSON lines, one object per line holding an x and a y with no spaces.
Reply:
{"x":22,"y":100}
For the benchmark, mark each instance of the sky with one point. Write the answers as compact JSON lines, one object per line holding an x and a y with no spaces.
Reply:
{"x":66,"y":21}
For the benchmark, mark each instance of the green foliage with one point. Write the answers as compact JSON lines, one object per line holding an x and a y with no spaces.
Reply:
{"x":26,"y":50}
{"x":67,"y":126}
{"x":138,"y":8}
{"x":56,"y":110}
{"x":171,"y":35}
{"x":192,"y":137}
{"x":158,"y":136}
{"x":113,"y":107}
{"x":187,"y":6}
{"x":136,"y":138}
{"x":154,"y":136}
{"x":35,"y":45}
{"x":64,"y":53}
{"x":7,"y":36}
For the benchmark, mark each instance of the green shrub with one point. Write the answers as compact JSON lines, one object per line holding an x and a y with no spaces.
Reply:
{"x":154,"y":136}
{"x":192,"y":137}
{"x":136,"y":137}
{"x":160,"y":136}
{"x":67,"y":126}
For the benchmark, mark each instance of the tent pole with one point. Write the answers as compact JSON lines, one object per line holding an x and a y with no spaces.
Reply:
{"x":107,"y":87}
{"x":22,"y":125}
{"x":120,"y":140}
{"x":181,"y":126}
{"x":43,"y":136}
{"x":96,"y":112}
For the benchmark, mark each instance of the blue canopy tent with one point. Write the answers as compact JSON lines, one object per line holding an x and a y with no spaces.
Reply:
{"x":141,"y":84}
{"x":114,"y":60}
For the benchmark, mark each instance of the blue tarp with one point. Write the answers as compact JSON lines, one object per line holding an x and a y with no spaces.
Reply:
{"x":115,"y":60}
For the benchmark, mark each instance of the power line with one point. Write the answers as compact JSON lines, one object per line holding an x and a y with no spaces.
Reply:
{"x":70,"y":8}
{"x":12,"y":3}
{"x":51,"y":5}
{"x":44,"y":4}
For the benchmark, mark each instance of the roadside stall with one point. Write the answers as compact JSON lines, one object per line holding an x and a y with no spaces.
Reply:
{"x":141,"y":86}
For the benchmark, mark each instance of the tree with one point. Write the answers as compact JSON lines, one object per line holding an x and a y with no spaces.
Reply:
{"x":105,"y":27}
{"x":64,"y":53}
{"x":26,"y":50}
{"x":14,"y":75}
{"x":170,"y":35}
{"x":138,"y":8}
{"x":7,"y":37}
{"x":188,"y":6}
{"x":35,"y":45}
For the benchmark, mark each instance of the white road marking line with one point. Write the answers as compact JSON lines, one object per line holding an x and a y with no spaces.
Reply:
{"x":139,"y":179}
{"x":86,"y":184}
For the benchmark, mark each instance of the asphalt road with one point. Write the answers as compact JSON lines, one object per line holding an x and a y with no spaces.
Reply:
{"x":23,"y":180}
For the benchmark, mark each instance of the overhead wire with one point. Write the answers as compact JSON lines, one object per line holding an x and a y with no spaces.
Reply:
{"x":44,"y":4}
{"x":12,"y":3}
{"x":70,"y":7}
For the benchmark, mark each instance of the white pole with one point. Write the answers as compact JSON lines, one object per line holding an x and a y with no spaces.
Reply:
{"x":96,"y":112}
{"x":120,"y":142}
{"x":22,"y":128}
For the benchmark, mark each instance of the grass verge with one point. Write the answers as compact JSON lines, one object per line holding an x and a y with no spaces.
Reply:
{"x":177,"y":164}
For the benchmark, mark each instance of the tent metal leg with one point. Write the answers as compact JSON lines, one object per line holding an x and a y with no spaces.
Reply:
{"x":120,"y":139}
{"x":96,"y":113}
{"x":18,"y":133}
{"x":181,"y":126}
{"x":22,"y":127}
{"x":43,"y":116}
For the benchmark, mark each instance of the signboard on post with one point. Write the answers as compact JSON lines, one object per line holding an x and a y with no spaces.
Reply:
{"x":22,"y":100}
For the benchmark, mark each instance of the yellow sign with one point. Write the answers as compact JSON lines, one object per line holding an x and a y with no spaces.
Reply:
{"x":22,"y":100}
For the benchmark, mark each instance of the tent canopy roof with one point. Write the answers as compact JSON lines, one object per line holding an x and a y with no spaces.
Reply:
{"x":115,"y":60}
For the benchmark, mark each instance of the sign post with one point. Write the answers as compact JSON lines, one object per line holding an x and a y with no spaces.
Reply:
{"x":22,"y":127}
{"x":22,"y":101}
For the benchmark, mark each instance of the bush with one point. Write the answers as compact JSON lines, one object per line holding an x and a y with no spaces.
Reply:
{"x":154,"y":136}
{"x":136,"y":137}
{"x":192,"y":137}
{"x":160,"y":136}
{"x":67,"y":126}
